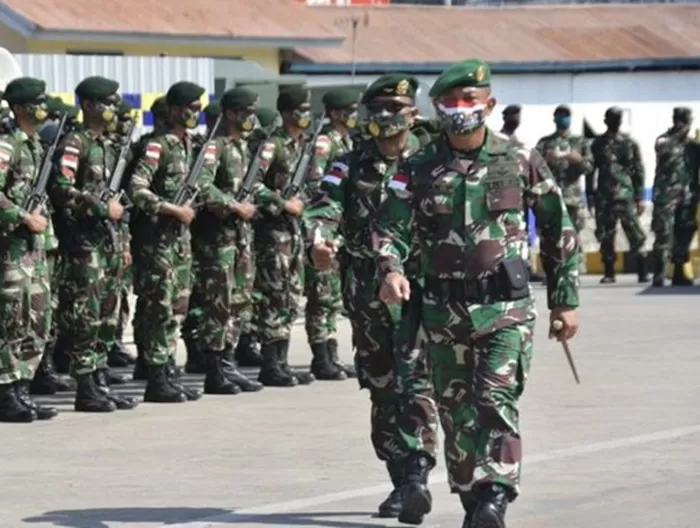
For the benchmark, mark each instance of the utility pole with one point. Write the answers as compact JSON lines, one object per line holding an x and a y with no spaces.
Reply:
{"x":354,"y":22}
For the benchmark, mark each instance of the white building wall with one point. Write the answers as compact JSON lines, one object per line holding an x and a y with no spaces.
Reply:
{"x":647,"y":98}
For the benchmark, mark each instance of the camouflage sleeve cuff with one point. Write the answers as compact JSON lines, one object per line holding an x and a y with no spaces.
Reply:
{"x":274,"y":205}
{"x":13,"y":217}
{"x":99,"y":210}
{"x":388,"y":265}
{"x":565,"y":295}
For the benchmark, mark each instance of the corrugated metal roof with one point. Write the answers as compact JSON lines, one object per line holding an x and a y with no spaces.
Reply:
{"x":424,"y":35}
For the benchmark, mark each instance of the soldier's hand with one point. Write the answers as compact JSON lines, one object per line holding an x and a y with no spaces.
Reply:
{"x":245,"y":210}
{"x":185,"y":214}
{"x":591,"y":209}
{"x":115,"y":210}
{"x":574,"y":157}
{"x":36,"y":223}
{"x":641,"y":207}
{"x":294,"y":206}
{"x":395,"y":289}
{"x":322,"y":255}
{"x":551,"y":156}
{"x":127,"y":258}
{"x":569,"y":321}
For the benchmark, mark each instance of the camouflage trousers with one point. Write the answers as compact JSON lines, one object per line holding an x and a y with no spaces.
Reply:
{"x":478,"y":383}
{"x":324,"y":303}
{"x":577,"y":213}
{"x":221,"y":303}
{"x":607,"y":215}
{"x":674,"y":224}
{"x":162,"y":282}
{"x":391,"y":363}
{"x":279,"y":277}
{"x":124,"y":311}
{"x":25,"y":314}
{"x":53,"y":267}
{"x":88,"y":305}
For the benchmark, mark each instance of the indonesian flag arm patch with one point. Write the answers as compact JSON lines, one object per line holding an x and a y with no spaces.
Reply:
{"x":398,"y":182}
{"x":338,"y":172}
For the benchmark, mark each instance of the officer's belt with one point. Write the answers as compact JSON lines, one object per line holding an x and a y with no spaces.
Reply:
{"x":487,"y":290}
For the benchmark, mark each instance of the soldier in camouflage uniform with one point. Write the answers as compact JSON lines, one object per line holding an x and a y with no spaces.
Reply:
{"x":389,"y":358}
{"x":93,"y":254}
{"x":568,"y":157}
{"x":222,"y":249}
{"x":618,"y":194}
{"x":163,"y":267}
{"x":463,"y":198}
{"x":25,"y":304}
{"x":323,"y":288}
{"x":675,"y":198}
{"x":511,"y":123}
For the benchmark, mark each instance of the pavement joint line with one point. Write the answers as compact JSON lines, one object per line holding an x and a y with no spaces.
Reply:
{"x":282,"y":508}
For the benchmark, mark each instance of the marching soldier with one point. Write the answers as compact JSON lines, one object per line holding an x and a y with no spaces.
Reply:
{"x":511,"y":123}
{"x":389,"y":357}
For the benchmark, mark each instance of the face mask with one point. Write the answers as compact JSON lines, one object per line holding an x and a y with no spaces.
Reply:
{"x":107,"y":112}
{"x":302,"y":118}
{"x":386,"y":124}
{"x":37,"y":113}
{"x":351,"y":119}
{"x":112,"y":127}
{"x":246,"y":123}
{"x":190,"y":118}
{"x":461,"y":118}
{"x":562,"y":122}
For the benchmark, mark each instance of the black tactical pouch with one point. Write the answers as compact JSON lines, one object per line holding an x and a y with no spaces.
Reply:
{"x":514,"y":279}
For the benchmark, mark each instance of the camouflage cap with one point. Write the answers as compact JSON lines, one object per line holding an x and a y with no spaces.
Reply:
{"x":391,"y":84}
{"x":71,"y":111}
{"x":238,"y":98}
{"x":183,"y":93}
{"x":96,"y":88}
{"x":473,"y":73}
{"x":340,"y":98}
{"x":159,"y":108}
{"x":24,"y":90}
{"x":266,"y":116}
{"x":292,"y":97}
{"x":212,"y":110}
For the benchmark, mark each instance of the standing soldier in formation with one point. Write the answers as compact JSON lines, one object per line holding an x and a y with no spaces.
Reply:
{"x":323,"y":293}
{"x":279,"y":256}
{"x":675,"y":199}
{"x":618,"y":194}
{"x":25,"y":309}
{"x":92,"y":252}
{"x":164,"y":263}
{"x":222,"y":248}
{"x":463,"y":197}
{"x":511,"y":123}
{"x":569,"y":158}
{"x":389,"y":358}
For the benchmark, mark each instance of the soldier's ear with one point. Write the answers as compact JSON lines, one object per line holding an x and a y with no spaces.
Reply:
{"x":490,"y":104}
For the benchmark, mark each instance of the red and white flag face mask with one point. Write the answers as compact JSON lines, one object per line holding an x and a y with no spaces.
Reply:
{"x":461,"y":117}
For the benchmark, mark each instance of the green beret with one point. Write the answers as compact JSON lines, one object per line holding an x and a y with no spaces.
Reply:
{"x":159,"y":107}
{"x":472,"y":72}
{"x":183,"y":93}
{"x":292,"y":97}
{"x":71,"y":111}
{"x":24,"y":90}
{"x":124,"y":108}
{"x":96,"y":88}
{"x":55,"y":105}
{"x":392,"y":84}
{"x":212,"y":110}
{"x":340,"y":98}
{"x":238,"y":98}
{"x":266,"y":116}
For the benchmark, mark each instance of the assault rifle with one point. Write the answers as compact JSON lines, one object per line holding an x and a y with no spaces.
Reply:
{"x":37,"y":197}
{"x":251,"y":176}
{"x":301,"y":171}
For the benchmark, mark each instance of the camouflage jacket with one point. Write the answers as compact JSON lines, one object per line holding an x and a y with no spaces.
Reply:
{"x":86,"y":160}
{"x":467,"y":216}
{"x":20,"y":162}
{"x":618,"y":163}
{"x":513,"y":138}
{"x":330,"y":145}
{"x":567,"y":174}
{"x":350,"y":195}
{"x":672,"y":177}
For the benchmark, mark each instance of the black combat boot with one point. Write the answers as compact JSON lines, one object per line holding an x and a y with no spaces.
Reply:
{"x":196,"y":362}
{"x":236,"y":376}
{"x":490,"y":510}
{"x":215,"y":381}
{"x":123,"y":403}
{"x":303,"y":378}
{"x":679,"y":278}
{"x":89,"y":398}
{"x":115,"y":379}
{"x":416,"y":500}
{"x":322,"y":367}
{"x":42,"y":413}
{"x":333,"y":352}
{"x":61,"y":359}
{"x":46,"y":380}
{"x":247,"y":353}
{"x":12,"y":410}
{"x":174,"y":374}
{"x":271,"y":373}
{"x":391,"y":506}
{"x":160,"y":389}
{"x":118,"y":357}
{"x":642,"y":271}
{"x":469,"y":503}
{"x":608,"y":273}
{"x":658,"y":269}
{"x":140,"y":366}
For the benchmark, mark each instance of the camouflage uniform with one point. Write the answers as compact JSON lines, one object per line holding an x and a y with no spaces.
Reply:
{"x":675,"y":198}
{"x":478,"y":311}
{"x":620,"y":184}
